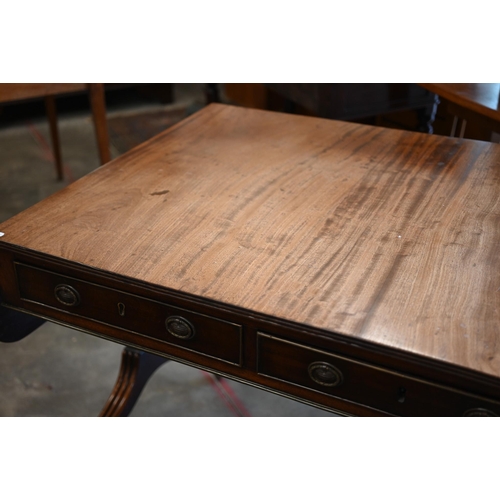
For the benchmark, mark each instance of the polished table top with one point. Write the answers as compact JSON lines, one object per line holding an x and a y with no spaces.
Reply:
{"x":381,"y":236}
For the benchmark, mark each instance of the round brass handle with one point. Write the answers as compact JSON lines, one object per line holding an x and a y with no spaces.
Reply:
{"x":67,"y":295}
{"x":325,"y":374}
{"x":479,"y":412}
{"x":180,"y":327}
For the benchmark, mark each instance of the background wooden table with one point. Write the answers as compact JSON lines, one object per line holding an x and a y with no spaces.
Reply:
{"x":10,"y":92}
{"x":471,"y":102}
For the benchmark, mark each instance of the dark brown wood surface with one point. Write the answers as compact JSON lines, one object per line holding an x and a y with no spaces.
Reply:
{"x":19,"y":91}
{"x":381,"y":235}
{"x":481,"y":98}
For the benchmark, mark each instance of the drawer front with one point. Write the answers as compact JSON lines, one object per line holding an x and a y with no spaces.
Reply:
{"x":189,"y":330}
{"x":362,"y":383}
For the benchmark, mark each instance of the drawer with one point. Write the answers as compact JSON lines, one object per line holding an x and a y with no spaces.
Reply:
{"x":363,"y":383}
{"x":187,"y":329}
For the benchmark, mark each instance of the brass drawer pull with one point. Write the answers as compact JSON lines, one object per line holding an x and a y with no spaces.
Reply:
{"x":325,"y":374}
{"x":180,"y":327}
{"x":67,"y":295}
{"x":479,"y":412}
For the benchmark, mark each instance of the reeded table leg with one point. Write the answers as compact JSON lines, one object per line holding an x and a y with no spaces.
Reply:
{"x":135,"y":370}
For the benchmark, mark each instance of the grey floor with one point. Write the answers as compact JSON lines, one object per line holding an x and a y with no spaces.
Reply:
{"x":57,"y":371}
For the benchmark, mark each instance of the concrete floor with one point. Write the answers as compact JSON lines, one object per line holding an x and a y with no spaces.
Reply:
{"x":57,"y":371}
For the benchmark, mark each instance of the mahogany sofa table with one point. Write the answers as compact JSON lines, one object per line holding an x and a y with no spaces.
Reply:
{"x":351,"y":267}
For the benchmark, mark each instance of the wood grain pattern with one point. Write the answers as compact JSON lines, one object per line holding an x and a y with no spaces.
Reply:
{"x":379,"y":234}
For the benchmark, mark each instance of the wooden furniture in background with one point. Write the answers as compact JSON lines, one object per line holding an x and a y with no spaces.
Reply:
{"x":352,"y":267}
{"x":478,"y":102}
{"x":340,"y":101}
{"x":10,"y":92}
{"x":249,"y":95}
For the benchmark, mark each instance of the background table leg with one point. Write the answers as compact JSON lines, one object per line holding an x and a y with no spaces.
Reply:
{"x":98,"y":105}
{"x":50,"y":107}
